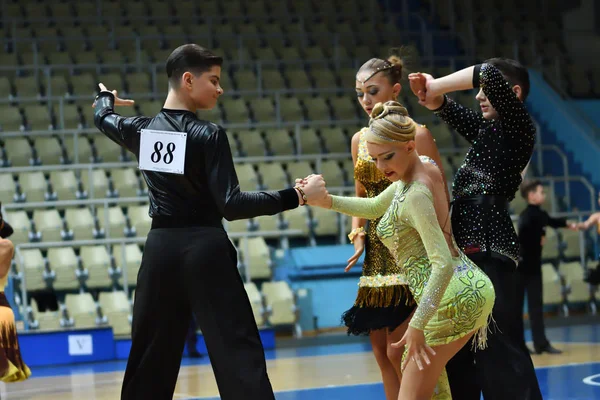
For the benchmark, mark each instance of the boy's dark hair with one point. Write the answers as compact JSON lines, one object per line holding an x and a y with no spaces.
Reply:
{"x":190,"y":57}
{"x":529,"y":186}
{"x":513,"y":72}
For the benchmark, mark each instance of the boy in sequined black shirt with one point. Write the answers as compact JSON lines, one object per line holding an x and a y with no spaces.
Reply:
{"x":502,"y":140}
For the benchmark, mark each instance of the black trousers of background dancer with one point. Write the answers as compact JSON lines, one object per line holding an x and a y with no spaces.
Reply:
{"x":531,"y":283}
{"x":503,"y":370}
{"x":184,"y":270}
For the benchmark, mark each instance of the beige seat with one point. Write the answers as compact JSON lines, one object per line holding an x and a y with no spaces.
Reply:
{"x":297,"y":219}
{"x":140,"y":219}
{"x":579,"y":291}
{"x":552,"y":287}
{"x":256,"y":257}
{"x":18,"y":151}
{"x":252,"y":143}
{"x":256,"y":302}
{"x":106,"y":149}
{"x":63,"y":262}
{"x":33,"y":185}
{"x":20,"y":224}
{"x":310,"y":143}
{"x":64,"y":184}
{"x":113,"y":222}
{"x":33,"y":269}
{"x":299,"y":169}
{"x":82,"y":309}
{"x":280,"y":141}
{"x":7,"y":188}
{"x":99,"y":190}
{"x":125,"y":181}
{"x":83,"y":150}
{"x":571,"y":240}
{"x":280,"y":302}
{"x":133,"y":260}
{"x":49,"y":225}
{"x":46,"y":321}
{"x":117,"y":309}
{"x":333,"y":174}
{"x":246,"y":176}
{"x":268,"y":222}
{"x":551,"y":243}
{"x":273,"y":175}
{"x":324,"y":222}
{"x":96,"y":261}
{"x":80,"y":223}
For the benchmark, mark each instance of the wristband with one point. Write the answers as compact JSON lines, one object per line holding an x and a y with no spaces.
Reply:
{"x":302,"y":194}
{"x":355,"y":233}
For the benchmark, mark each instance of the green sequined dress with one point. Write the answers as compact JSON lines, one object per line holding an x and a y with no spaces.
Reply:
{"x":382,"y":302}
{"x":454,"y":297}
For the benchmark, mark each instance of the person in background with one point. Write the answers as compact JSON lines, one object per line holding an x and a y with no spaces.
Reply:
{"x":532,"y":229}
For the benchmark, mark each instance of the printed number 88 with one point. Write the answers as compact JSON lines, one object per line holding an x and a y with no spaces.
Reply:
{"x":156,"y":156}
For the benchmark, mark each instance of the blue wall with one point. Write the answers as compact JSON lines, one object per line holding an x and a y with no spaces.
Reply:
{"x":560,"y":124}
{"x":591,"y":108}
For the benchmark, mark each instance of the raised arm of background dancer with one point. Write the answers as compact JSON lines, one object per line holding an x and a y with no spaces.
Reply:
{"x":225,"y":189}
{"x":121,"y":130}
{"x":369,"y":208}
{"x":426,"y":146}
{"x":358,"y":187}
{"x":462,"y":119}
{"x":516,"y":121}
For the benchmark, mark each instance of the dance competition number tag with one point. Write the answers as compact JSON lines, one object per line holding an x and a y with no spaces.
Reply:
{"x":162,"y":151}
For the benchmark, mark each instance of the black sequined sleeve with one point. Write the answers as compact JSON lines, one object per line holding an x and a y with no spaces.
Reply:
{"x":516,"y":122}
{"x":462,"y":119}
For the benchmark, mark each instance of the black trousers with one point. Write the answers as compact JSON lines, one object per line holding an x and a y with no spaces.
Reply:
{"x":188,"y":270}
{"x":531,"y":283}
{"x":503,"y":370}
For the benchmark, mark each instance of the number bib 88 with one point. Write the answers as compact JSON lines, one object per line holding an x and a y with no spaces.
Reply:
{"x":162,"y":151}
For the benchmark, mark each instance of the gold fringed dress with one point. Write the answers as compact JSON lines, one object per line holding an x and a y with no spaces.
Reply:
{"x":12,"y":367}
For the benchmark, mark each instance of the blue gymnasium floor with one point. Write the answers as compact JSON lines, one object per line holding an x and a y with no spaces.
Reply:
{"x":575,"y":376}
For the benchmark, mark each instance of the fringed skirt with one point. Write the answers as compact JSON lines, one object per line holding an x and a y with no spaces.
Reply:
{"x":12,"y":367}
{"x":376,"y":308}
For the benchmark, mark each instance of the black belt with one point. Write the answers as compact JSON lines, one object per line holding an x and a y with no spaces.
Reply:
{"x":167,"y":221}
{"x":484,"y":200}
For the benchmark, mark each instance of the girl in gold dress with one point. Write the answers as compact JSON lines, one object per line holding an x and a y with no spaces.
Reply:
{"x":383,"y":303}
{"x":454,"y":297}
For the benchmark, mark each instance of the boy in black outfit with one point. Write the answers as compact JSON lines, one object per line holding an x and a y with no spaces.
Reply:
{"x":532,"y":229}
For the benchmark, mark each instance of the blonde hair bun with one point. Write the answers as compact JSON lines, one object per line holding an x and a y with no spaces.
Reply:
{"x":390,"y":123}
{"x":381,"y":110}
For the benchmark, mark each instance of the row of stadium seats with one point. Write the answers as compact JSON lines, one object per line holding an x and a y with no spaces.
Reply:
{"x":103,"y":183}
{"x":500,"y":30}
{"x":83,"y":223}
{"x":258,"y":109}
{"x":274,"y":305}
{"x":564,"y":286}
{"x":106,"y":47}
{"x":185,"y":9}
{"x":142,"y":80}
